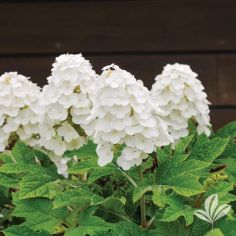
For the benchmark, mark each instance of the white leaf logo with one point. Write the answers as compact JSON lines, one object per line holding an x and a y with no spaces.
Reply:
{"x":212,"y":212}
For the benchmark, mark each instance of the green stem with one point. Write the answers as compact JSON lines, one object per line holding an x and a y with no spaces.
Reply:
{"x":151,"y":221}
{"x":128,"y":177}
{"x":142,"y":202}
{"x":131,"y":180}
{"x":84,"y":177}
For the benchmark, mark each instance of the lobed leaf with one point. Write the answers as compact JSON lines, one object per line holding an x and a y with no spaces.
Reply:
{"x":32,"y":186}
{"x":77,"y":198}
{"x":173,"y":212}
{"x":183,"y":143}
{"x":83,"y":166}
{"x":89,"y":225}
{"x":88,"y":151}
{"x":17,"y":168}
{"x":100,"y":172}
{"x":180,"y":175}
{"x":228,"y":130}
{"x":9,"y":180}
{"x":208,"y":150}
{"x":22,"y":153}
{"x":39,"y":214}
{"x":20,"y":230}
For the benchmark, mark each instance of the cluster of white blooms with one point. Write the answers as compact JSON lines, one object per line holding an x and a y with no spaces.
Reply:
{"x":124,"y":115}
{"x":177,"y":96}
{"x":113,"y":110}
{"x":18,"y":109}
{"x":67,"y":104}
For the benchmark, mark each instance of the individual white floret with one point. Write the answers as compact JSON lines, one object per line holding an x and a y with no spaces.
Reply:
{"x":61,"y":164}
{"x":177,"y":96}
{"x":130,"y":157}
{"x":105,"y":153}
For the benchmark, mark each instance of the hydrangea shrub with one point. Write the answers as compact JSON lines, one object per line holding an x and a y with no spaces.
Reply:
{"x":94,"y":155}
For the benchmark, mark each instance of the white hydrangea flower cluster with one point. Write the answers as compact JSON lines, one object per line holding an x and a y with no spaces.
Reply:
{"x":113,"y":109}
{"x":177,"y":96}
{"x":124,"y":115}
{"x":67,"y":104}
{"x":18,"y":109}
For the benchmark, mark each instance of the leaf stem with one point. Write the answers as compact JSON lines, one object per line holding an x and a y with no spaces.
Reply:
{"x":149,"y":223}
{"x":142,"y":202}
{"x":84,"y":176}
{"x":129,"y":178}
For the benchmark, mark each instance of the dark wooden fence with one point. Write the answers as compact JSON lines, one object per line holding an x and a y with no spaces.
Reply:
{"x":140,"y":36}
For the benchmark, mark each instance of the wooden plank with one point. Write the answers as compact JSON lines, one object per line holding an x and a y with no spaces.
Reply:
{"x":37,"y":68}
{"x":227,"y":79}
{"x":221,"y":117}
{"x":144,"y":67}
{"x":117,"y":26}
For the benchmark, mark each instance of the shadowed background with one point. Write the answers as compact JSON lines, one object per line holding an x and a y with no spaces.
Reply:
{"x":140,"y":36}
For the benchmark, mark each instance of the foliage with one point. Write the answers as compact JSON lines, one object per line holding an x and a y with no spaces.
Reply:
{"x":100,"y":201}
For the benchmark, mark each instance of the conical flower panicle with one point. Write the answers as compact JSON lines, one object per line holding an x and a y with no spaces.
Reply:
{"x":177,"y":96}
{"x":123,"y":115}
{"x":67,"y":103}
{"x":18,"y":109}
{"x":66,"y":100}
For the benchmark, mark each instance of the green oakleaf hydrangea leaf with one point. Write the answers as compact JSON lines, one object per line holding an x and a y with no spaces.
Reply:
{"x":36,"y":185}
{"x":9,"y":180}
{"x":223,"y":190}
{"x":89,"y":225}
{"x":100,"y":172}
{"x":88,"y":163}
{"x":6,"y":157}
{"x":230,"y":167}
{"x":112,"y":208}
{"x":176,"y":209}
{"x":169,"y":229}
{"x":159,"y":196}
{"x":17,"y":168}
{"x":22,"y":153}
{"x":39,"y":214}
{"x":83,"y":166}
{"x":183,"y":143}
{"x":180,"y":174}
{"x":86,"y":152}
{"x":124,"y":228}
{"x":74,"y":197}
{"x":228,"y":130}
{"x":20,"y":230}
{"x":228,"y":227}
{"x":140,"y":191}
{"x":208,"y":150}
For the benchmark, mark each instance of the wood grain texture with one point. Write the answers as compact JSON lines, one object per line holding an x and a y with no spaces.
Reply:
{"x":227,"y":79}
{"x":117,"y":26}
{"x":220,"y":117}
